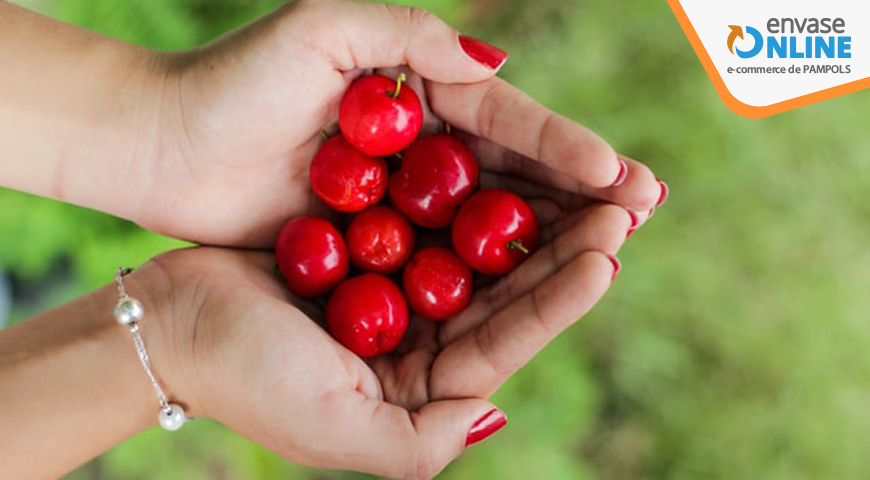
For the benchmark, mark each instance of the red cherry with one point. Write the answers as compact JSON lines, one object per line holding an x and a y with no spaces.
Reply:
{"x":380,"y":116}
{"x":437,"y":173}
{"x":346,"y":179}
{"x":367,"y":314}
{"x":437,"y":283}
{"x":494,"y":231}
{"x":312,"y":256}
{"x":380,"y":240}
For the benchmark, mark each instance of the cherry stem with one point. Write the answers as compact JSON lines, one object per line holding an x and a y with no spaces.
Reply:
{"x":324,"y":134}
{"x":401,"y":78}
{"x":517,"y":245}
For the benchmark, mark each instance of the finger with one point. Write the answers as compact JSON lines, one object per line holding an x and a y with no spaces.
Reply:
{"x":380,"y":438}
{"x":525,"y":188}
{"x":557,"y":210}
{"x":549,"y":204}
{"x":479,"y":361}
{"x":550,"y":232}
{"x":602,"y":228}
{"x":546,"y":210}
{"x":498,"y":159}
{"x":640,"y":191}
{"x":500,"y":113}
{"x":370,"y":35}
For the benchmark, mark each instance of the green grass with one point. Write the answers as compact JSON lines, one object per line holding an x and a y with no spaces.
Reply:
{"x":733,"y":344}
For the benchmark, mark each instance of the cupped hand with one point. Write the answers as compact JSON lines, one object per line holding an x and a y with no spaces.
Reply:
{"x":251,"y":356}
{"x":240,"y":119}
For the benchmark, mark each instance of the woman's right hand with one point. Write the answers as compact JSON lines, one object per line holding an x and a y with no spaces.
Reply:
{"x":213,"y":144}
{"x":240,"y":119}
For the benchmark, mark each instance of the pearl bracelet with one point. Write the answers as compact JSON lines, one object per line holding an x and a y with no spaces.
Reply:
{"x":129,"y":312}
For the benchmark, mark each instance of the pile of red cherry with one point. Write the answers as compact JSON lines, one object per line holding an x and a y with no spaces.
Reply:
{"x":491,"y":230}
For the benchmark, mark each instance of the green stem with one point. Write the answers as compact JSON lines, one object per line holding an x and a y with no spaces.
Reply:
{"x":324,"y":134}
{"x":401,"y":78}
{"x":517,"y":245}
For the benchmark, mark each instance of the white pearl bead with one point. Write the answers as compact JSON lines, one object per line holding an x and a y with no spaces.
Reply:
{"x":129,"y":310}
{"x":173,"y":418}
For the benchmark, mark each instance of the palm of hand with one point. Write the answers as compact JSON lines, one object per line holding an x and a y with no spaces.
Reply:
{"x":238,"y":142}
{"x":291,"y":377}
{"x":240,"y":145}
{"x":247,"y":157}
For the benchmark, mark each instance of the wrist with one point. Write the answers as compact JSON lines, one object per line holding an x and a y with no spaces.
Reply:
{"x":168,"y":331}
{"x":161,"y":139}
{"x":78,"y":370}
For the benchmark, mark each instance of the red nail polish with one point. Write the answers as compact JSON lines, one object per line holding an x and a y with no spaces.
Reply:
{"x":622,"y":175}
{"x":483,"y":52}
{"x":617,"y":266}
{"x":664,"y":195}
{"x":650,"y":213}
{"x":634,"y":223}
{"x":485,"y":426}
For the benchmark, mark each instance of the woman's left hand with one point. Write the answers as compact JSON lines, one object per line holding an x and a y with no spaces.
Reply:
{"x":245,"y":352}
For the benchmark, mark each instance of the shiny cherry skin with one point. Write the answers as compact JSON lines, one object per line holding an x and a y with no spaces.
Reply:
{"x":494,"y":231}
{"x":346,"y":179}
{"x":312,"y":256}
{"x":377,"y":122}
{"x":367,"y":314}
{"x":437,"y":174}
{"x":379,"y":240}
{"x":436,"y":283}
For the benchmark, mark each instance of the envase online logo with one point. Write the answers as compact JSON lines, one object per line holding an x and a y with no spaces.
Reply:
{"x":811,"y":45}
{"x":794,"y":46}
{"x":738,"y":32}
{"x":782,"y":54}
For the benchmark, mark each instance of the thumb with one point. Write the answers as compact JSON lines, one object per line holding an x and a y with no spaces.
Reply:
{"x":373,"y":35}
{"x":385,"y":439}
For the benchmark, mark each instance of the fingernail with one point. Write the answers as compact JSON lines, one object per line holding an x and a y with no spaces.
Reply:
{"x":617,"y":266}
{"x":483,"y":52}
{"x":664,"y":194}
{"x":634,"y":223}
{"x":488,"y":424}
{"x":622,"y":175}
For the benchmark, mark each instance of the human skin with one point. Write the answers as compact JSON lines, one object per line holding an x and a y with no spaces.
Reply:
{"x":213,"y":145}
{"x":230,"y":343}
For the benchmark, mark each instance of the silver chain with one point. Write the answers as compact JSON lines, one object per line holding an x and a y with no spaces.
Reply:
{"x":119,"y":275}
{"x":139,"y":342}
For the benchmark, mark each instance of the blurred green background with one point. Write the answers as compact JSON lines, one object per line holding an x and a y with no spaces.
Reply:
{"x":732,"y":345}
